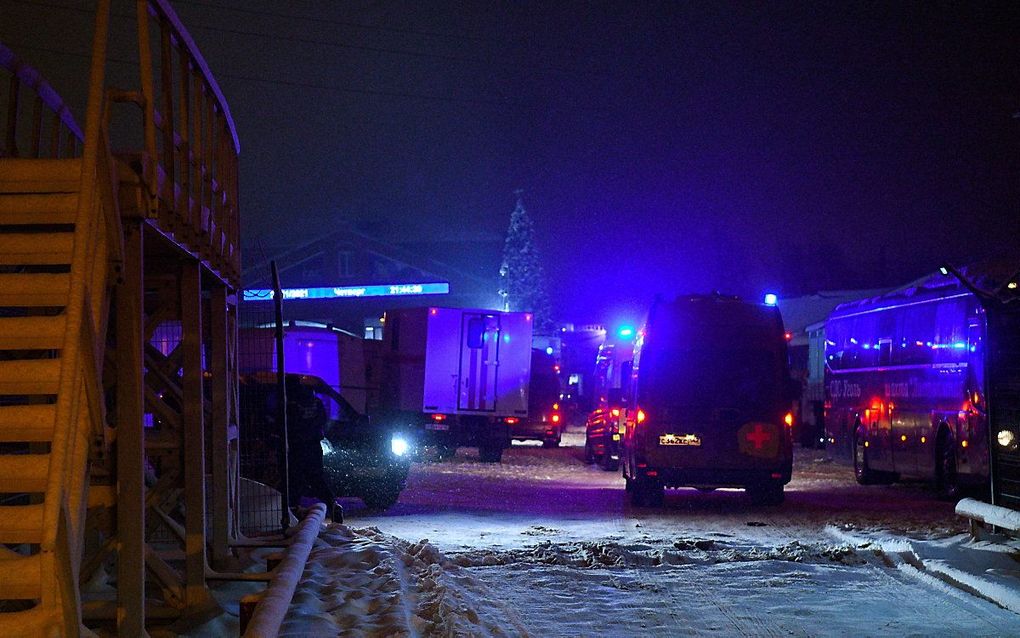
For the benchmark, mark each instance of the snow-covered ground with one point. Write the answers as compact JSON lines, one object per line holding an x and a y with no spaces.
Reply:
{"x":543,"y":545}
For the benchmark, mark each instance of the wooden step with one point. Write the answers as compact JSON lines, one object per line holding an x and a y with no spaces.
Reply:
{"x":40,"y":175}
{"x":32,"y":333}
{"x":29,"y":376}
{"x":34,"y":289}
{"x":20,"y":577}
{"x":38,"y":208}
{"x":23,"y":473}
{"x":21,"y":524}
{"x":27,"y":423}
{"x":34,"y":249}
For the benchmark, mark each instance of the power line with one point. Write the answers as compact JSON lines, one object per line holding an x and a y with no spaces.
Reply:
{"x":361,"y":25}
{"x":407,"y":95}
{"x":341,"y":23}
{"x":304,"y":40}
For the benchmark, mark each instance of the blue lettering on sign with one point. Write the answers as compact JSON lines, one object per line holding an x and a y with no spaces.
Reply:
{"x":340,"y":292}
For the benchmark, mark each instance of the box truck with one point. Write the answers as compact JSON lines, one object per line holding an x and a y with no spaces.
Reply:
{"x":456,"y":376}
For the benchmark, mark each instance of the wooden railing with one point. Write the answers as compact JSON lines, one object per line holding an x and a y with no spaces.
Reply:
{"x":38,"y":123}
{"x":80,"y":402}
{"x":190,"y":142}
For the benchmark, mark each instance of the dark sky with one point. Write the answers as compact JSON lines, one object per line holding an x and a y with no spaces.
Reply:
{"x":662,"y":147}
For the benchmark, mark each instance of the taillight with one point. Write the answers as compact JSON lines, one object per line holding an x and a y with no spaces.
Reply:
{"x":556,"y":406}
{"x":641,"y":416}
{"x":510,"y":420}
{"x":788,"y":419}
{"x":555,"y":418}
{"x":615,"y":411}
{"x":438,"y":417}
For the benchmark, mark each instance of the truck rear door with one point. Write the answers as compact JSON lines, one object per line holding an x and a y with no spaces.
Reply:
{"x":479,"y":362}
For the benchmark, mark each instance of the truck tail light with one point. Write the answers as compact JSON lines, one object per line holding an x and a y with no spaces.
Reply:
{"x":511,"y":420}
{"x":615,"y":411}
{"x":788,"y":419}
{"x":438,"y":417}
{"x":555,"y":418}
{"x":641,"y":416}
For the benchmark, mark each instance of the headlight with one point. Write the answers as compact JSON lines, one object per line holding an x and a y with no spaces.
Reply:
{"x":399,"y":445}
{"x":1006,"y":439}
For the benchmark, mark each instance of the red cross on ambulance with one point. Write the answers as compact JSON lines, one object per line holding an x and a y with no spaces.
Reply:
{"x":758,"y":439}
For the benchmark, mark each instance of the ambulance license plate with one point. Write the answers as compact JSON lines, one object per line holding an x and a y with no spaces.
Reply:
{"x":687,"y":440}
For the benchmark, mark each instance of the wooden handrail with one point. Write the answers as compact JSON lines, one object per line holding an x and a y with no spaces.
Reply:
{"x":190,"y":142}
{"x":163,"y":9}
{"x":63,"y":121}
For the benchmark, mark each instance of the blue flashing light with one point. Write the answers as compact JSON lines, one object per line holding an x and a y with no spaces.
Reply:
{"x":626,"y":331}
{"x":960,"y":345}
{"x":771,"y":299}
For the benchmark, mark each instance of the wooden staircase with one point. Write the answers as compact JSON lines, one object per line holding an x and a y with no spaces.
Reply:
{"x":55,"y":267}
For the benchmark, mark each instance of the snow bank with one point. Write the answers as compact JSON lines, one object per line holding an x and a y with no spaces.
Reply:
{"x":361,"y":582}
{"x":985,"y":569}
{"x":656,"y":553}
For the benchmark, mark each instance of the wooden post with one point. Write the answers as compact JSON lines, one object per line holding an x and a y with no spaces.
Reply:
{"x":130,"y":440}
{"x":220,"y":387}
{"x":193,"y":399}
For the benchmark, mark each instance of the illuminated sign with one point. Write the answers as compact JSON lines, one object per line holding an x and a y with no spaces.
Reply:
{"x":340,"y":292}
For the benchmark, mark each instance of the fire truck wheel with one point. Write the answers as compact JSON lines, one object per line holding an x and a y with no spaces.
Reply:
{"x":608,"y":463}
{"x":490,"y":452}
{"x":646,"y":492}
{"x":381,"y":496}
{"x":862,"y":470}
{"x":947,"y":483}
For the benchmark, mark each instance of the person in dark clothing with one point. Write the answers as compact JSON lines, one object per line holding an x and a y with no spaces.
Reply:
{"x":306,"y":420}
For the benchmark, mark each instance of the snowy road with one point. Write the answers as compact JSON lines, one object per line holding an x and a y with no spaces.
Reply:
{"x":544,"y":545}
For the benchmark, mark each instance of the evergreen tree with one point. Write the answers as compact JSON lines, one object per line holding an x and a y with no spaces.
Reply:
{"x":522,"y":278}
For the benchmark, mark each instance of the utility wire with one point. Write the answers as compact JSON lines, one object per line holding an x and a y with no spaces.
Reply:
{"x":406,"y":95}
{"x":303,"y":40}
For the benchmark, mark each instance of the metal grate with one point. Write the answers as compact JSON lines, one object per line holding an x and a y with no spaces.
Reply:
{"x":261,"y":438}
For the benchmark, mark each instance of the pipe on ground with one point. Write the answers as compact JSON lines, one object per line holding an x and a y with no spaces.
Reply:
{"x":269,"y":613}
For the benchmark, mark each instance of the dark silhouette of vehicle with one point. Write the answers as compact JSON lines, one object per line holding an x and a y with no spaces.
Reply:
{"x":545,"y":419}
{"x":710,"y":402}
{"x":359,"y":457}
{"x":602,"y":431}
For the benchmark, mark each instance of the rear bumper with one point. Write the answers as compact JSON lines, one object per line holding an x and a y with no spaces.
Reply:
{"x":701,"y":477}
{"x":534,"y":430}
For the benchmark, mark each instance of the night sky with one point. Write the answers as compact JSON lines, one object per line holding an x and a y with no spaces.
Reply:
{"x":662,"y":147}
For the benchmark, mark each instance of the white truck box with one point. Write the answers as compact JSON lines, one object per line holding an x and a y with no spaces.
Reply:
{"x":461,"y":361}
{"x":335,"y":356}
